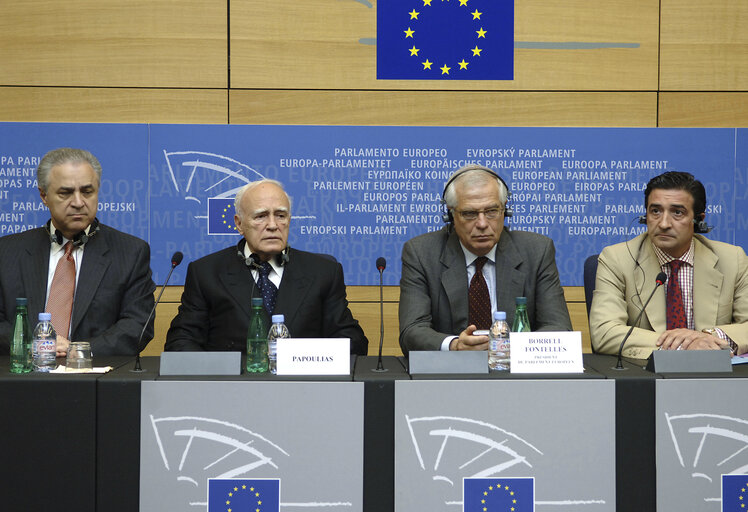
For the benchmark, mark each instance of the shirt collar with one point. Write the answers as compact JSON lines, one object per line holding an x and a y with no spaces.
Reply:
{"x":470,"y":257}
{"x":273,"y":261}
{"x":665,"y":258}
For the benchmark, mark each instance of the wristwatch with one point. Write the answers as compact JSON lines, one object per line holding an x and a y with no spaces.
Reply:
{"x":733,"y":346}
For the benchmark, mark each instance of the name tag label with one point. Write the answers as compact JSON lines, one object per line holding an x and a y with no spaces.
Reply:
{"x":314,"y":356}
{"x":546,"y":352}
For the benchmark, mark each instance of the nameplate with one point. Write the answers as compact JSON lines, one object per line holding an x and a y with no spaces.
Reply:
{"x":201,"y":363}
{"x":314,"y":356}
{"x":690,"y":361}
{"x":443,"y":361}
{"x":546,"y":352}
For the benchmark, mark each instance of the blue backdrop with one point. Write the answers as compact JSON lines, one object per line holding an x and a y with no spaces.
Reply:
{"x":360,"y":192}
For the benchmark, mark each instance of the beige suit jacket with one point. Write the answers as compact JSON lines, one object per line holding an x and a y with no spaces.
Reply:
{"x":622,"y":286}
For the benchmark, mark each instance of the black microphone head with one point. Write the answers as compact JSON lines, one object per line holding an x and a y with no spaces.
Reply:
{"x":381,"y":263}
{"x":661,"y":278}
{"x":176,"y":258}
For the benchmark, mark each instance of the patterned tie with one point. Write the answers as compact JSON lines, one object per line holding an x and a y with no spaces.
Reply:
{"x":269,"y":291}
{"x":676,"y":311}
{"x":479,"y":301}
{"x":62,"y":291}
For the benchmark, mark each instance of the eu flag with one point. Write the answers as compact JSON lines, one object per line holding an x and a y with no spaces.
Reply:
{"x":221,"y":216}
{"x":445,"y":39}
{"x":734,"y":493}
{"x":498,"y":494}
{"x":238,"y":494}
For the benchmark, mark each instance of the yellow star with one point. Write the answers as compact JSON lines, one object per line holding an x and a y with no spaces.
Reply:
{"x":485,"y":509}
{"x":231,"y":494}
{"x":414,"y":14}
{"x":481,"y":33}
{"x":463,"y":64}
{"x":409,"y":33}
{"x":514,"y":501}
{"x":414,"y":51}
{"x":257,"y":494}
{"x":244,"y":487}
{"x":476,"y":51}
{"x":236,"y":489}
{"x":485,"y":493}
{"x":228,"y":502}
{"x":511,"y":493}
{"x":463,"y":2}
{"x":427,"y":64}
{"x":506,"y":487}
{"x":259,"y":502}
{"x":445,"y":69}
{"x":482,"y":501}
{"x":476,"y":14}
{"x":490,"y":488}
{"x":229,"y":510}
{"x":427,"y":2}
{"x":512,"y":509}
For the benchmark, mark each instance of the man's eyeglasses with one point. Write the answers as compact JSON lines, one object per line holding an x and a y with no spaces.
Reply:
{"x":489,"y":213}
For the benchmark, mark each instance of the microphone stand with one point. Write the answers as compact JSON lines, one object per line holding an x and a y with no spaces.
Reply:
{"x":380,"y":365}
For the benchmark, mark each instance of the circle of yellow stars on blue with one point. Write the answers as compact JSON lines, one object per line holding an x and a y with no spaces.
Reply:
{"x":228,"y":218}
{"x":741,"y":497}
{"x":243,"y":488}
{"x":499,"y":488}
{"x":445,"y":69}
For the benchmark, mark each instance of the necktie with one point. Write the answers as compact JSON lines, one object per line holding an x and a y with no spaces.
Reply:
{"x":479,"y":301}
{"x":676,"y":310}
{"x":269,"y":291}
{"x":62,"y":291}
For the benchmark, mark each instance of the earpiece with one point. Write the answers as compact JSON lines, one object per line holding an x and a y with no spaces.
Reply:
{"x":79,"y":239}
{"x":254,"y":262}
{"x":447,"y":215}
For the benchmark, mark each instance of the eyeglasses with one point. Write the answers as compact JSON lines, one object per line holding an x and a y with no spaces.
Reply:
{"x":489,"y":213}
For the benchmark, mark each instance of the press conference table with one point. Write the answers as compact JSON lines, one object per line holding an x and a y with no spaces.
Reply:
{"x":73,"y":441}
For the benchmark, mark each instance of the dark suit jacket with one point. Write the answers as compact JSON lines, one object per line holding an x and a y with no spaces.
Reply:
{"x":215,"y":309}
{"x":434,"y":286}
{"x":113,"y":296}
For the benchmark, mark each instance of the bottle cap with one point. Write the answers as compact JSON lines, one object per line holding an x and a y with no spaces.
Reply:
{"x":499,"y":315}
{"x":279,"y":319}
{"x":256,"y":301}
{"x":45,"y":317}
{"x":22,"y":301}
{"x":521,"y":301}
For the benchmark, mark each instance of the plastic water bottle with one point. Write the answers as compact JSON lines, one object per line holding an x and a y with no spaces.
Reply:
{"x":277,"y":330}
{"x":20,"y":348}
{"x":521,"y":322}
{"x":257,"y":339}
{"x":498,"y":343}
{"x":44,"y":346}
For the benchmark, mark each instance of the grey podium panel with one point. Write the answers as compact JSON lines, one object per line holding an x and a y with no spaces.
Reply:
{"x":308,"y":434}
{"x":702,"y":433}
{"x":561,"y":432}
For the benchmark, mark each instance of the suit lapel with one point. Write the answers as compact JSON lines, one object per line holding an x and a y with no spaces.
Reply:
{"x":96,"y":259}
{"x":644,"y":282}
{"x":707,"y":286}
{"x":454,"y":280}
{"x":509,"y":280}
{"x":237,"y":279}
{"x":34,"y":267}
{"x":293,"y":288}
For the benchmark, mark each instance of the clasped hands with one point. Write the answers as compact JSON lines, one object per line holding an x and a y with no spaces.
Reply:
{"x":687,"y":339}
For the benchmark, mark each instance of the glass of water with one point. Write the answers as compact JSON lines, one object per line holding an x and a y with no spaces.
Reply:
{"x":79,"y":356}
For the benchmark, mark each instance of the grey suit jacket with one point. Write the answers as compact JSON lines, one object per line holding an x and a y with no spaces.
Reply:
{"x":434,"y":286}
{"x":113,"y":296}
{"x":720,"y":295}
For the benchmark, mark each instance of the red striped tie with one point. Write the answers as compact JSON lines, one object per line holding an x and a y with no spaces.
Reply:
{"x":62,"y":291}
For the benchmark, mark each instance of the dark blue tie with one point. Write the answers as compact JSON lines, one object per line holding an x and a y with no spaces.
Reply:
{"x":269,"y":291}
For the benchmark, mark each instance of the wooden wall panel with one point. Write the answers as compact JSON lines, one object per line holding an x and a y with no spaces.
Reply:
{"x":315,"y":44}
{"x":703,"y":109}
{"x":117,"y":43}
{"x":364,"y":304}
{"x":441,"y":108}
{"x":85,"y":105}
{"x":704,"y":45}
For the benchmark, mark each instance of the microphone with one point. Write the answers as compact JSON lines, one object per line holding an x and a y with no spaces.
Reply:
{"x":659,"y":281}
{"x":381,"y":265}
{"x":176,"y":259}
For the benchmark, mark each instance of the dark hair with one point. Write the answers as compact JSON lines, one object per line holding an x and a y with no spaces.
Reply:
{"x":679,"y":181}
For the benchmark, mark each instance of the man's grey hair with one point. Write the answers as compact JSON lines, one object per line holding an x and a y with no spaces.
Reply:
{"x":249,"y":186}
{"x":469,"y":176}
{"x":63,"y":156}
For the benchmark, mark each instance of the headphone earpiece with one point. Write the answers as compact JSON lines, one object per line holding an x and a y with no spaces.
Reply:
{"x":254,"y":261}
{"x":79,"y":239}
{"x":700,"y":226}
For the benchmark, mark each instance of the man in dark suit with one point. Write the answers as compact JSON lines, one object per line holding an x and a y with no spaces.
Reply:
{"x":109,"y":291}
{"x":215,"y":309}
{"x":475,"y":252}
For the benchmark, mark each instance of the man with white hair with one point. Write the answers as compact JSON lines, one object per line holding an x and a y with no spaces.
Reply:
{"x":307,"y":288}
